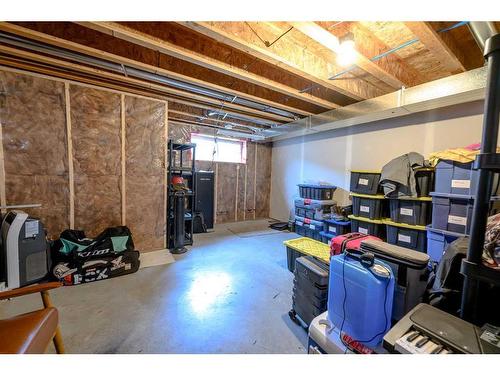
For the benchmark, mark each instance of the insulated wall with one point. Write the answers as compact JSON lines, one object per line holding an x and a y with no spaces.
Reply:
{"x":96,"y":128}
{"x":91,"y":157}
{"x":242,"y":189}
{"x":145,"y":129}
{"x":34,"y":166}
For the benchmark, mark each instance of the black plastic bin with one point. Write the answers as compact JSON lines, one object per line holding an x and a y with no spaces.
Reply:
{"x":411,"y":211}
{"x":317,"y":192}
{"x":425,"y":181}
{"x":365,"y":182}
{"x":336,"y":228}
{"x":366,"y":226}
{"x":405,"y":236}
{"x":371,"y":207}
{"x":291,"y":256}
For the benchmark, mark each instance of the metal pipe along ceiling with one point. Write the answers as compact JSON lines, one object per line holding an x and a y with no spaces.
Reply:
{"x":482,"y":31}
{"x":138,"y":73}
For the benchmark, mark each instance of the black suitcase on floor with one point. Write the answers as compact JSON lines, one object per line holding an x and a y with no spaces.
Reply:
{"x":310,"y":289}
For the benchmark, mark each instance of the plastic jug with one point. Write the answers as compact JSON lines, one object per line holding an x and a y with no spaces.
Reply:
{"x":360,"y":298}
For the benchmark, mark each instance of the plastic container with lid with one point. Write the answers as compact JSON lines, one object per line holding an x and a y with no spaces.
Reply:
{"x":412,"y":211}
{"x":365,"y":182}
{"x":336,"y":227}
{"x":316,"y":192}
{"x":369,"y":206}
{"x":368,"y":292}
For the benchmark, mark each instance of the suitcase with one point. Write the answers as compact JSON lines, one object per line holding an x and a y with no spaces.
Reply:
{"x":349,"y":241}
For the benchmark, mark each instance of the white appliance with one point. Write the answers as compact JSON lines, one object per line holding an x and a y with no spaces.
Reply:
{"x":24,"y":251}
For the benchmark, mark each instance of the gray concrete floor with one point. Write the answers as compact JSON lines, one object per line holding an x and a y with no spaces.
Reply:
{"x":228,"y":294}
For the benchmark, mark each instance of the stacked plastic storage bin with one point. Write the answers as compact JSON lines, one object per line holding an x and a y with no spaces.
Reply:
{"x":333,"y":228}
{"x":314,"y":205}
{"x":452,"y":203}
{"x":409,"y":216}
{"x":368,"y":204}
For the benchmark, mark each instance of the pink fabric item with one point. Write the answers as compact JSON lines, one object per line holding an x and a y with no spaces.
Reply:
{"x":473,"y":147}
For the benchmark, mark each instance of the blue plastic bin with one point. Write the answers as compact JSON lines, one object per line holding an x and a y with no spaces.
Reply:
{"x":337,"y":228}
{"x":366,"y":314}
{"x":326,"y":237}
{"x":452,"y":213}
{"x":438,"y":241}
{"x":455,"y":178}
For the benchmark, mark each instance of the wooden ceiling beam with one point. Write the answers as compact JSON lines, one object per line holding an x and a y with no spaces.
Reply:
{"x":148,"y":41}
{"x":101,"y":82}
{"x":76,"y":47}
{"x":286,"y":54}
{"x":433,"y":42}
{"x":159,"y":88}
{"x":330,"y":41}
{"x":367,"y":44}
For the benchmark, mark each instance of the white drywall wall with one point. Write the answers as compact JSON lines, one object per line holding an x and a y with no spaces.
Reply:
{"x":329,"y":156}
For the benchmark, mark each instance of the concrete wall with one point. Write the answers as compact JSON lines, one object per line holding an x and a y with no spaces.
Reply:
{"x":329,"y":156}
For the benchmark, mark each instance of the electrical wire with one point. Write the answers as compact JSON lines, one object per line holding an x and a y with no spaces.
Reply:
{"x":266,"y":42}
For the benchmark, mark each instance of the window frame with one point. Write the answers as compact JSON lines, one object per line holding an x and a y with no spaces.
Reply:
{"x":215,"y":139}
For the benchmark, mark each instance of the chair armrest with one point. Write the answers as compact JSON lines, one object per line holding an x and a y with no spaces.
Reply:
{"x":37,"y":288}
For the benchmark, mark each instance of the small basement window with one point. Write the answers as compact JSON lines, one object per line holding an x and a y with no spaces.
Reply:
{"x":219,"y":149}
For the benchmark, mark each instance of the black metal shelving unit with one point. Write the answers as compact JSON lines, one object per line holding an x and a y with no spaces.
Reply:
{"x":488,"y":163}
{"x":178,"y":156}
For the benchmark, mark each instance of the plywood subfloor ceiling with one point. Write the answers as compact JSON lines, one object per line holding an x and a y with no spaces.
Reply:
{"x":269,"y":73}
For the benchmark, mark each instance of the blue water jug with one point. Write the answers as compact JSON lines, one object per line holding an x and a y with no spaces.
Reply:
{"x":360,"y":298}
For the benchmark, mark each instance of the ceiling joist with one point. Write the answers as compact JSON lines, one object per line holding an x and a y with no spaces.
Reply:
{"x":76,"y":47}
{"x":147,"y":85}
{"x":148,"y":41}
{"x":286,"y":54}
{"x":433,"y":42}
{"x":328,"y":40}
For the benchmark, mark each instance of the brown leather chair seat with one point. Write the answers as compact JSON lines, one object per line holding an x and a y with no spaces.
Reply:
{"x":28,"y":333}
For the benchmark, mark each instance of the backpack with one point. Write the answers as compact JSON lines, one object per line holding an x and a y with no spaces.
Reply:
{"x":199,"y":225}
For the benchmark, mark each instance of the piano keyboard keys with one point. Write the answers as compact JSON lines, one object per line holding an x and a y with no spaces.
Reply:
{"x":412,"y":336}
{"x":414,"y":342}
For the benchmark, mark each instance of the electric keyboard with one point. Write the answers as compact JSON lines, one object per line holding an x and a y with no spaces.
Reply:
{"x":428,"y":330}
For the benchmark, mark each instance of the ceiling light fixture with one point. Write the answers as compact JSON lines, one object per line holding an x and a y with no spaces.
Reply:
{"x":346,"y":53}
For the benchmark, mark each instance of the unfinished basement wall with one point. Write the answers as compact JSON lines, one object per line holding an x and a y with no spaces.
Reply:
{"x":330,"y":156}
{"x":243,"y":191}
{"x":91,"y":157}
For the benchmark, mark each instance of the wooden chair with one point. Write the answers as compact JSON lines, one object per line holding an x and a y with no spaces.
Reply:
{"x":32,"y":332}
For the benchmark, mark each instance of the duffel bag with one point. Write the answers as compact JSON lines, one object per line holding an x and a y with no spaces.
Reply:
{"x":351,"y":241}
{"x":86,"y":271}
{"x":74,"y":245}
